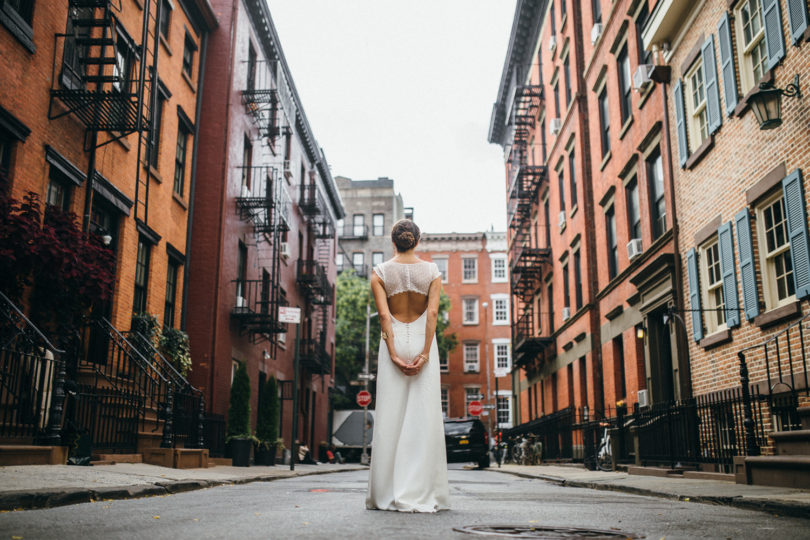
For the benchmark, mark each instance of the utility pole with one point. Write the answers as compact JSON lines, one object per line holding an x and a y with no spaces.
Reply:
{"x":485,"y":305}
{"x":366,"y":376}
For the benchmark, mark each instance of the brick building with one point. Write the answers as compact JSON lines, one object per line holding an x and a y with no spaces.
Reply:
{"x":372,"y":207}
{"x":86,"y":124}
{"x":265,"y":209}
{"x":741,"y":193}
{"x":476,"y":279}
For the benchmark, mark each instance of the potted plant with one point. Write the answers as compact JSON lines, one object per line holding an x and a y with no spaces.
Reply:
{"x":239,"y":437}
{"x":174,"y":345}
{"x":267,"y":424}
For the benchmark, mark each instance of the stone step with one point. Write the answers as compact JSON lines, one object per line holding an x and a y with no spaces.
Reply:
{"x":782,"y":471}
{"x":219,"y":461}
{"x":119,"y":458}
{"x":804,"y":416}
{"x":178,"y":458}
{"x":791,"y":443}
{"x":20,"y":454}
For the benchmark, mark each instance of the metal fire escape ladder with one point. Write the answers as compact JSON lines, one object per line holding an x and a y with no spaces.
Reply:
{"x":260,"y":98}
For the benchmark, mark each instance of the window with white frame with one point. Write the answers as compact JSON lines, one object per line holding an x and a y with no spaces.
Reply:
{"x":712,"y":291}
{"x":470,"y":310}
{"x":339,"y":258}
{"x":469,"y":269}
{"x":503,"y":357}
{"x":752,"y":55}
{"x":378,"y":224}
{"x":358,"y":224}
{"x":441,"y":263}
{"x":377,"y":258}
{"x":445,"y":401}
{"x":471,"y":357}
{"x":471,"y":393}
{"x":499,"y":269}
{"x":774,"y":250}
{"x":500,"y":309}
{"x":504,"y":411}
{"x":359,"y":261}
{"x":696,"y":115}
{"x":444,"y":363}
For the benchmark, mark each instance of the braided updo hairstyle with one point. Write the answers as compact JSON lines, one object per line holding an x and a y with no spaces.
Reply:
{"x":405,"y":235}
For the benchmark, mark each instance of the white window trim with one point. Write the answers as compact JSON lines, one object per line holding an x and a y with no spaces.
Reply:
{"x":709,"y":313}
{"x":478,"y":354}
{"x":504,"y":297}
{"x":466,"y":402}
{"x":743,"y":56}
{"x":502,"y":372}
{"x":500,"y":257}
{"x":444,"y":367}
{"x":374,"y":225}
{"x":769,"y":289}
{"x":464,"y":312}
{"x":446,"y":265}
{"x":446,"y":388}
{"x":474,"y":279}
{"x":508,"y":395}
{"x":692,"y":113}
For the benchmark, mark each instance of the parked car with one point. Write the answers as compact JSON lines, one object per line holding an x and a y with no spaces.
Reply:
{"x":466,"y":439}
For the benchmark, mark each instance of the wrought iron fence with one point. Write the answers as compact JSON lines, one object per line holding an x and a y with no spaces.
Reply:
{"x":214,"y":429}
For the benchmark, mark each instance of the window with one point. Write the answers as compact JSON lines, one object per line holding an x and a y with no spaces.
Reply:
{"x":625,"y":84}
{"x":553,"y":19}
{"x":567,"y":78}
{"x":359,"y":262}
{"x":658,"y":206}
{"x":444,"y":363}
{"x":72,"y":65}
{"x":441,"y":263}
{"x":577,"y":279}
{"x":500,"y":308}
{"x":613,"y":251}
{"x":247,"y":163}
{"x":189,"y":48}
{"x":596,"y":7}
{"x":556,"y":85}
{"x":471,"y":357}
{"x":543,"y":140}
{"x":562,"y":9}
{"x":775,"y":258}
{"x":751,"y":47}
{"x":470,"y":310}
{"x":633,"y":210}
{"x":180,"y":159}
{"x":644,"y":57}
{"x":469,"y":272}
{"x":171,"y":293}
{"x":471,"y":393}
{"x":445,"y":401}
{"x":504,"y":411}
{"x":499,"y":269}
{"x":241,"y":273}
{"x":696,"y":115}
{"x":251,"y":68}
{"x":124,"y":62}
{"x":502,"y":356}
{"x":566,"y":285}
{"x":712,"y":277}
{"x":339,"y":258}
{"x":24,"y":9}
{"x":604,"y":121}
{"x":165,"y":18}
{"x":378,"y":222}
{"x":141,"y":276}
{"x":157,"y":119}
{"x":550,"y":306}
{"x":547,"y":222}
{"x":58,"y":190}
{"x":572,"y":173}
{"x":377,"y":258}
{"x":561,"y":182}
{"x":358,"y":224}
{"x":104,"y":221}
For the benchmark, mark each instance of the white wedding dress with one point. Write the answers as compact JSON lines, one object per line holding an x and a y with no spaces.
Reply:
{"x":408,"y":459}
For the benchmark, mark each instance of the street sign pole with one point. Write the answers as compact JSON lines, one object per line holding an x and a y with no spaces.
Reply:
{"x":295,"y":402}
{"x":364,"y":455}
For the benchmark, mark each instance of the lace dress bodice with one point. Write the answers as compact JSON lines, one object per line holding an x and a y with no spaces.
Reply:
{"x":398,"y":278}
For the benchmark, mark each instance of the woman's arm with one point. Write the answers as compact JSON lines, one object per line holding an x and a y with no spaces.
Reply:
{"x":386,"y":325}
{"x":434,"y":294}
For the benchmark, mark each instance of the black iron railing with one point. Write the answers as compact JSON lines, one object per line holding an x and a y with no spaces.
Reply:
{"x":256,"y":199}
{"x":353,"y":232}
{"x":214,"y":427}
{"x":313,"y":280}
{"x":311,"y":201}
{"x":256,"y":307}
{"x":314,"y":357}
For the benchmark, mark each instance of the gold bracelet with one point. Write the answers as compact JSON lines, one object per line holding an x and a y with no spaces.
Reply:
{"x":422,"y":355}
{"x":384,"y":335}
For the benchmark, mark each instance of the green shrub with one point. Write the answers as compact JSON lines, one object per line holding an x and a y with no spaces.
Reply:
{"x":174,"y":346}
{"x":267,"y":423}
{"x":239,"y":410}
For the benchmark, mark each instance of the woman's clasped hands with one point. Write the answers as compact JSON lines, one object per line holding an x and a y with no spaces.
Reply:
{"x":410,"y":368}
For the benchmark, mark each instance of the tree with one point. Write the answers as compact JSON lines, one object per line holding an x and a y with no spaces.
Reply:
{"x":239,"y":410}
{"x":353,"y":295}
{"x":268,"y":420}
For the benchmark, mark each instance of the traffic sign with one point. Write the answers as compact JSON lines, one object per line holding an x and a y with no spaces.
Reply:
{"x":475,"y":408}
{"x":363,"y":398}
{"x":289,"y":314}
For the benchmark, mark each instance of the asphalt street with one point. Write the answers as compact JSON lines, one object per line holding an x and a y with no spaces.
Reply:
{"x":332,"y":506}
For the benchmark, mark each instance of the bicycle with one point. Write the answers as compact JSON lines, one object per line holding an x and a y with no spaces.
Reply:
{"x":604,"y":455}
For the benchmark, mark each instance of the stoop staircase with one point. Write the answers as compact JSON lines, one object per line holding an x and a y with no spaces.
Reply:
{"x":790,"y":464}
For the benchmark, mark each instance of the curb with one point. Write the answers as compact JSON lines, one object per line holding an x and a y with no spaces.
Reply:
{"x":762,"y":505}
{"x":51,"y":498}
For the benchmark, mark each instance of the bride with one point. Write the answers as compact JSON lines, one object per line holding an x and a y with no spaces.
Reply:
{"x":408,"y":462}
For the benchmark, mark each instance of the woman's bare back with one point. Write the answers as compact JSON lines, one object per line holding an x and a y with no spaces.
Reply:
{"x":407,"y":306}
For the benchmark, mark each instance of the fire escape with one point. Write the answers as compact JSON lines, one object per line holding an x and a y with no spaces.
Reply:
{"x":312,"y":277}
{"x":260,"y":98}
{"x":527,"y":263}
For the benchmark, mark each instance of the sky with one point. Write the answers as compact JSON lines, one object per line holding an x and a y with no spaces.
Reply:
{"x":404,"y":89}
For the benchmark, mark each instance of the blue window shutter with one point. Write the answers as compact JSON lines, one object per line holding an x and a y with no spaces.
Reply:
{"x":712,"y":90}
{"x":727,"y":63}
{"x":774,"y":41}
{"x":747,"y":268}
{"x":797,"y":13}
{"x":725,"y":242}
{"x":680,"y":122}
{"x":797,"y":232}
{"x":694,"y":295}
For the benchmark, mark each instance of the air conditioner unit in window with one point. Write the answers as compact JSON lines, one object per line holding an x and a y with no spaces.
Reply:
{"x":552,"y":43}
{"x":643,"y":398}
{"x":245,"y":193}
{"x":566,"y":313}
{"x":241,"y":302}
{"x":285,"y":250}
{"x":555,"y":126}
{"x":634,"y":248}
{"x":641,"y":78}
{"x":596,"y":31}
{"x":562,"y":219}
{"x":287,"y":169}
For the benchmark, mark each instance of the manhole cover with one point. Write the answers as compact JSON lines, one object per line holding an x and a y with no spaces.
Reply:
{"x":546,"y":533}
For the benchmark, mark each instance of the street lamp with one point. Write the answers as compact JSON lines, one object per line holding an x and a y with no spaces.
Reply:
{"x":767,"y":102}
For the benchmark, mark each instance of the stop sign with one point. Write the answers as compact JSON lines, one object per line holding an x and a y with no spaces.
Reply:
{"x":363,"y":398}
{"x":475,"y":408}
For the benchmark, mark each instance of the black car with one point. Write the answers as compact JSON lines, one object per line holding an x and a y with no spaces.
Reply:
{"x":466,"y":439}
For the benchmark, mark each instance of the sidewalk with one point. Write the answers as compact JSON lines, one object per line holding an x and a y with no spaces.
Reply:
{"x":776,"y":500}
{"x":43,"y":486}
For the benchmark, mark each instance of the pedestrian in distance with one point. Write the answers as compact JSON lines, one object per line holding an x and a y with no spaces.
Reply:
{"x":408,"y":470}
